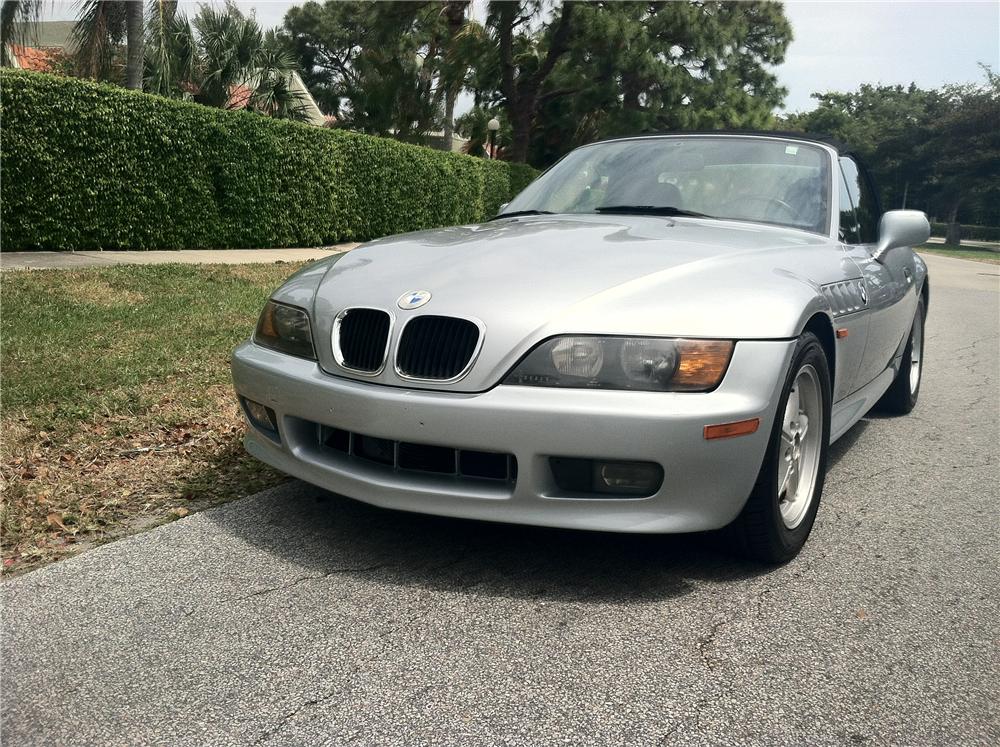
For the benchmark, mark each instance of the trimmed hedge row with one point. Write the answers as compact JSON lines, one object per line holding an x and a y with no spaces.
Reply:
{"x":974,"y":233}
{"x":87,"y":166}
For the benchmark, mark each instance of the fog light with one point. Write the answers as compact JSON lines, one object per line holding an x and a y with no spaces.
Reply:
{"x":261,"y":417}
{"x":599,"y":478}
{"x":634,"y":478}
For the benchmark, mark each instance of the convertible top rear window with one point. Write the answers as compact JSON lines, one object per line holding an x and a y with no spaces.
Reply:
{"x":764,"y":180}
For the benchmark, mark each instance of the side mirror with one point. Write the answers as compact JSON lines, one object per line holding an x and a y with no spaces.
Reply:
{"x":901,"y":228}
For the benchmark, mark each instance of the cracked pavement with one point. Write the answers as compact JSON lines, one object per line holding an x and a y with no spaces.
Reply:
{"x":297,"y":617}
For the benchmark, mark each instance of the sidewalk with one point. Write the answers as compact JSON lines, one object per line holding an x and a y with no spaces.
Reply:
{"x":993,"y":246}
{"x":70,"y":260}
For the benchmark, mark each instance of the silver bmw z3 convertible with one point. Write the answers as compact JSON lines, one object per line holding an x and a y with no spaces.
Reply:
{"x":659,"y":334}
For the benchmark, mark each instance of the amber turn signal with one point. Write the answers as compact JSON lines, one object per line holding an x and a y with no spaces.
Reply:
{"x":728,"y":430}
{"x":702,"y":364}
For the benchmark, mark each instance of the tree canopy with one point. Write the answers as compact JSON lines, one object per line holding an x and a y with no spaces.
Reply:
{"x":220,"y":58}
{"x":557,"y":74}
{"x":932,"y":150}
{"x":385,"y":68}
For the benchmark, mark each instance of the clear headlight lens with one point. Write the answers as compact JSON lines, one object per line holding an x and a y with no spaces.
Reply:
{"x":578,"y":356}
{"x":285,"y":328}
{"x":643,"y":363}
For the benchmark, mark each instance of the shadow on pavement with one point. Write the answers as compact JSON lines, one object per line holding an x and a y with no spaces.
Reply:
{"x":845,"y":443}
{"x":327,"y":533}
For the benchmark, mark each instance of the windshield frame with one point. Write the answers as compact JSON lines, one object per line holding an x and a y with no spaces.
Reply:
{"x":829,"y":152}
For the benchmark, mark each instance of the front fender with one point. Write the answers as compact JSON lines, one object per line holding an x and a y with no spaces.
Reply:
{"x":300,"y":288}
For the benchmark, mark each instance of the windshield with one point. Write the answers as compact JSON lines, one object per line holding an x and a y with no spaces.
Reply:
{"x":765,"y":180}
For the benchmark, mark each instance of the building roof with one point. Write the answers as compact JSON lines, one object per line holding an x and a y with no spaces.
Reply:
{"x":32,"y":58}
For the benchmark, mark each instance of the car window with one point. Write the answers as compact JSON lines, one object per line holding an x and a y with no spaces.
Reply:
{"x":765,"y":180}
{"x":863,"y":200}
{"x":849,"y":232}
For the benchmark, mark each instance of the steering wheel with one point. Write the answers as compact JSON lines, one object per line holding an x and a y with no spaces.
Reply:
{"x":770,"y":201}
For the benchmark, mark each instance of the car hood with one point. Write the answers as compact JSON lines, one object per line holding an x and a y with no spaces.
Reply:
{"x":528,"y":278}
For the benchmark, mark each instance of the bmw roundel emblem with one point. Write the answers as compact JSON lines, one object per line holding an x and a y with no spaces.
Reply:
{"x":413,"y":299}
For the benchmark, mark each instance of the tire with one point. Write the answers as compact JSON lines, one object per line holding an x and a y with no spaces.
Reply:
{"x":901,"y":396}
{"x":775,"y":524}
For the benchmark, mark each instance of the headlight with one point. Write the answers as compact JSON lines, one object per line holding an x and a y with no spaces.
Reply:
{"x":652,"y":364}
{"x":285,"y":328}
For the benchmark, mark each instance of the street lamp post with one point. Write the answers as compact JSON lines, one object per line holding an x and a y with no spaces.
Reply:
{"x":493,"y":125}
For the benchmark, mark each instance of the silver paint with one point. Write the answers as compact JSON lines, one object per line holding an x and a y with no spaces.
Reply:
{"x":524,"y":279}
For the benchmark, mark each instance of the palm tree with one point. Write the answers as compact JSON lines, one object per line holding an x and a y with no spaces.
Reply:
{"x":100,"y":30}
{"x":18,"y":19}
{"x":455,"y":67}
{"x":170,"y":52}
{"x":220,"y":58}
{"x":134,"y":32}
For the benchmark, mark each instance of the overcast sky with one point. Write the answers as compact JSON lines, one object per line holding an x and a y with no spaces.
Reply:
{"x":838,"y":45}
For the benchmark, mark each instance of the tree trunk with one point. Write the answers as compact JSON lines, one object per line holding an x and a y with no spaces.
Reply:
{"x":449,"y":117}
{"x":455,"y":13}
{"x":521,"y":116}
{"x":953,"y":237}
{"x":134,"y":40}
{"x":521,"y":92}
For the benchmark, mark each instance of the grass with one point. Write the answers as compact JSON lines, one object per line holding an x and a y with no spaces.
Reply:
{"x":978,"y":255}
{"x":118,"y":411}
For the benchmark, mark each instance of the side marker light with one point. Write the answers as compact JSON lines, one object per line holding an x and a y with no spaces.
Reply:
{"x":728,"y":430}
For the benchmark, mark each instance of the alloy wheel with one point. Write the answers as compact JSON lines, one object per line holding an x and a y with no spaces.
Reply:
{"x":799,"y":451}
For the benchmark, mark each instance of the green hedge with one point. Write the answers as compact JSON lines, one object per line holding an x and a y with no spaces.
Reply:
{"x":973,"y":233}
{"x":521,"y":175}
{"x":87,"y":166}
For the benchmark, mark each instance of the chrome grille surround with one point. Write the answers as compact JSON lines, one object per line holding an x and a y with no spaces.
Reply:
{"x":335,"y":341}
{"x":459,"y":368}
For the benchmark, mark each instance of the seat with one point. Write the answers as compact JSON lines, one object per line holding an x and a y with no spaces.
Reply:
{"x":805,"y":197}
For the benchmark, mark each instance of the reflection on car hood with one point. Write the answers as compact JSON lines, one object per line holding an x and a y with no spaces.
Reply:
{"x":543,"y":262}
{"x":523,"y":276}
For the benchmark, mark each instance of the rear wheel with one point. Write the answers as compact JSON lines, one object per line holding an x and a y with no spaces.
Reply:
{"x":901,"y":397}
{"x":780,"y":512}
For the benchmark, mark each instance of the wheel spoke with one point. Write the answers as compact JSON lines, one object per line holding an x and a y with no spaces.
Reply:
{"x":792,"y":409}
{"x":783,"y":484}
{"x":793,"y":483}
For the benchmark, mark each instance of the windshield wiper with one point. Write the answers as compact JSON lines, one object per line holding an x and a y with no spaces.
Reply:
{"x":649,"y":210}
{"x":522,"y":212}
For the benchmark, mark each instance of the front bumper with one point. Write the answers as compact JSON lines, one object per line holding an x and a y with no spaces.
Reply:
{"x":705,"y":482}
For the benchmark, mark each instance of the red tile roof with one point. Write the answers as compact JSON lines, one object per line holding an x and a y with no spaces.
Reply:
{"x":33,"y":58}
{"x":239,"y":97}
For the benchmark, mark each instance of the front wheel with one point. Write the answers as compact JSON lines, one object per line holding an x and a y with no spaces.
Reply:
{"x":780,"y":512}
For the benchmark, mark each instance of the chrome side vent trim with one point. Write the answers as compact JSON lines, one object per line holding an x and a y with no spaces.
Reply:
{"x":845,"y":297}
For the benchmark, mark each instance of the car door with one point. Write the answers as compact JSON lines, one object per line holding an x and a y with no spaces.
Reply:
{"x":888,"y":290}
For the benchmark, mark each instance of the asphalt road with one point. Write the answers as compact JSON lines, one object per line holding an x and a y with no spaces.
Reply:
{"x":295,"y":617}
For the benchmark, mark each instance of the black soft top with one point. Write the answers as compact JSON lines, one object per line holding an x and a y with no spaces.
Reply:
{"x":842,"y":148}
